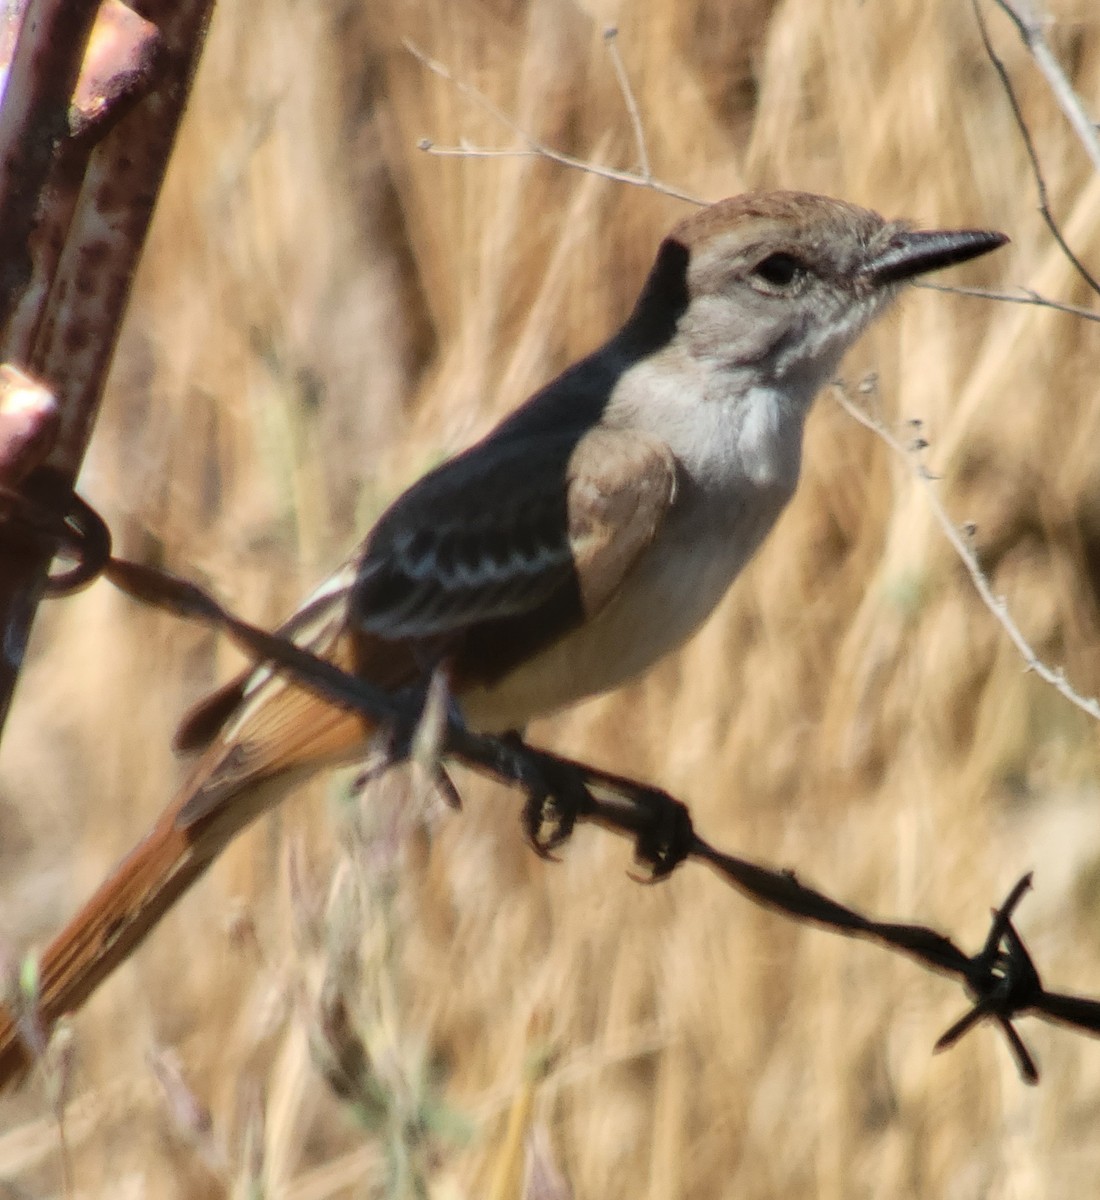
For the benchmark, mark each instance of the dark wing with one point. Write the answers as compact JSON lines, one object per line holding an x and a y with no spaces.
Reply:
{"x":509,"y":527}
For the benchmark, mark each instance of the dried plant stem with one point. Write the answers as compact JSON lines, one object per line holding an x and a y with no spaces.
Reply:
{"x":1032,"y":153}
{"x":961,"y":544}
{"x":532,"y":147}
{"x":610,"y":37}
{"x":1030,"y":28}
{"x":1024,"y":296}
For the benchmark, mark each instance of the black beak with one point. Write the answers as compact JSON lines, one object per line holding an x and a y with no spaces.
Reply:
{"x":914,"y":252}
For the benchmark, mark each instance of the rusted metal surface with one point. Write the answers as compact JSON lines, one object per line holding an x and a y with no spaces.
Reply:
{"x":119,"y":67}
{"x":96,"y":267}
{"x":102,"y":173}
{"x":34,"y":117}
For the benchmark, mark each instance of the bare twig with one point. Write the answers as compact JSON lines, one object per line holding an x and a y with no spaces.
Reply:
{"x":1024,"y":296}
{"x":1029,"y":144}
{"x":960,"y":542}
{"x":1030,"y":28}
{"x":532,"y":146}
{"x":610,"y":37}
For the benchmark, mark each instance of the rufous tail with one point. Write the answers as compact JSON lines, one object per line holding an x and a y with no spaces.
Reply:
{"x":239,"y":778}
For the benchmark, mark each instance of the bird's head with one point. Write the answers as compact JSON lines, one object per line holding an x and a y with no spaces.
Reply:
{"x":782,"y":283}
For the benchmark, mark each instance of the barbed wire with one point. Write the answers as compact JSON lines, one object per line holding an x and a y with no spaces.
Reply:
{"x":1000,"y":979}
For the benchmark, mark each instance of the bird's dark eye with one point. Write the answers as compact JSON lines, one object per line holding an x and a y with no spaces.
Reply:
{"x":779,"y":269}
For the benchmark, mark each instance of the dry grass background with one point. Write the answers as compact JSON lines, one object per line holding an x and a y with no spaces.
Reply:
{"x":325,"y":311}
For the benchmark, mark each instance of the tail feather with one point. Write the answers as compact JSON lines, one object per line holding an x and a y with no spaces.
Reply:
{"x":249,"y":770}
{"x":102,"y":935}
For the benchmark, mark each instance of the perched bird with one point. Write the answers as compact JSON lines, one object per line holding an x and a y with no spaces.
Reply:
{"x":590,"y":533}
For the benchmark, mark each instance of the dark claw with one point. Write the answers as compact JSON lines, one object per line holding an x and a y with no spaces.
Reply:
{"x":663,"y":843}
{"x":533,"y":819}
{"x":557,"y":795}
{"x":548,"y":822}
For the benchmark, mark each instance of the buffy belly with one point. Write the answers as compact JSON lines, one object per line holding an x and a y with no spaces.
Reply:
{"x":669,"y":593}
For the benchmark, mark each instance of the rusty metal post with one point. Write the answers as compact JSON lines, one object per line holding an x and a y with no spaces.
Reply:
{"x":80,"y":202}
{"x":34,"y":118}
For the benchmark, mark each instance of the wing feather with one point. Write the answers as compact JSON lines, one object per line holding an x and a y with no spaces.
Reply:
{"x":518,"y":541}
{"x":621,"y":485}
{"x":499,"y":533}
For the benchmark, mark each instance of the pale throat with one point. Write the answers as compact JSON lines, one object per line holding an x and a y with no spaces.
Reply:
{"x":728,"y":428}
{"x":769,"y":436}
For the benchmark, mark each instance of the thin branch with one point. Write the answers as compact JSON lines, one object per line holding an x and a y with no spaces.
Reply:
{"x":1024,"y":296}
{"x":960,"y":541}
{"x":532,"y":146}
{"x":1030,"y":28}
{"x":610,"y":37}
{"x":466,"y":149}
{"x":1036,"y":167}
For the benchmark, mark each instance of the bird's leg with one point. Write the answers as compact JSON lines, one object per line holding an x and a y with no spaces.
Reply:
{"x":560,"y":791}
{"x":419,"y":738}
